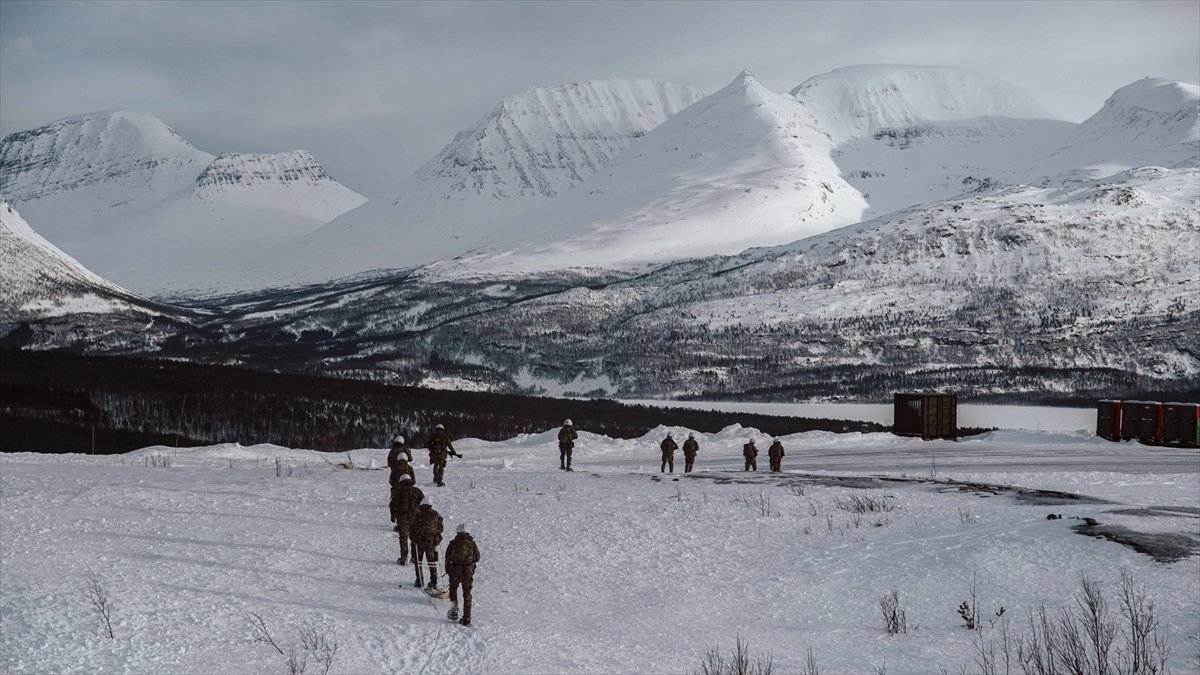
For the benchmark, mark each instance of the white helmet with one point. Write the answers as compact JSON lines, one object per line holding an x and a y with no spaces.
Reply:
{"x":669,"y":434}
{"x":462,"y":529}
{"x":403,"y":477}
{"x":424,"y":501}
{"x":691,"y":435}
{"x":567,"y":422}
{"x":439,"y":427}
{"x":399,"y":439}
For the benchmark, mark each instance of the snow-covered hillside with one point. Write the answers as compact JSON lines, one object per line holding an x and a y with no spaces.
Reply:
{"x":913,"y":134}
{"x":744,"y":167}
{"x":611,"y":568}
{"x":41,"y":281}
{"x":51,"y":301}
{"x":530,"y":149}
{"x":124,"y":194}
{"x":1151,"y":122}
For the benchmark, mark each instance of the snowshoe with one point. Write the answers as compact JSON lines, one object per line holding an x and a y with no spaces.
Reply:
{"x":441,"y":485}
{"x":464,"y":622}
{"x":401,"y":561}
{"x":452,"y":614}
{"x":439,"y":593}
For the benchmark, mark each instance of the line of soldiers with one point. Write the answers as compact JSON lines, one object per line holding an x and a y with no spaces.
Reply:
{"x":691,"y":447}
{"x":419,"y":526}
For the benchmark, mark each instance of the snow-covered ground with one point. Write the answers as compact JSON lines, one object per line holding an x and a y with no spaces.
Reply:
{"x":609,"y":569}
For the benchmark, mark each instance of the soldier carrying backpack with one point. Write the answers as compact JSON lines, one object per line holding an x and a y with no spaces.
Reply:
{"x":426,"y":535}
{"x":405,"y":499}
{"x":461,"y":557}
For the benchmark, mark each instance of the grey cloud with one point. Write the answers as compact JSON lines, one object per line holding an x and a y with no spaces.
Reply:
{"x":376,"y":88}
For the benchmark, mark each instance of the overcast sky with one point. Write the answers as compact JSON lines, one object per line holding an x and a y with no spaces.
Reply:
{"x":376,"y":89}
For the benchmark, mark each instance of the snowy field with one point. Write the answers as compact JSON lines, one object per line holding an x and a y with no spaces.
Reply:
{"x":609,"y":569}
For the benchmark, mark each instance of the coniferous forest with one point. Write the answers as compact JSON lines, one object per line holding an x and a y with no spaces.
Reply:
{"x":62,"y":402}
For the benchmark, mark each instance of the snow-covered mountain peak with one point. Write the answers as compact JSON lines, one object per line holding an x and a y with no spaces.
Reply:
{"x":860,"y":101}
{"x":1157,"y":95}
{"x":1152,"y":121}
{"x":76,"y":152}
{"x":743,"y":167}
{"x":545,"y":140}
{"x":241,"y":169}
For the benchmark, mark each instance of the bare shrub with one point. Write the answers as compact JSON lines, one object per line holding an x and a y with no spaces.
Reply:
{"x":321,"y":645}
{"x":157,"y":461}
{"x":297,"y":661}
{"x":893,"y":615}
{"x":315,"y":642}
{"x":97,"y":594}
{"x":866,"y":504}
{"x":797,"y":489}
{"x":258,"y":631}
{"x":761,"y":503}
{"x":966,"y":516}
{"x":810,"y":666}
{"x":1081,"y":638}
{"x":1145,"y":648}
{"x":738,"y":662}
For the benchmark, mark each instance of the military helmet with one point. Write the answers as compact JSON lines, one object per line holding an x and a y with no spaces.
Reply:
{"x":398,"y":440}
{"x":691,"y":435}
{"x":669,"y":434}
{"x":403,"y":477}
{"x":568,"y":423}
{"x":463,"y":529}
{"x":424,"y":501}
{"x":440,"y":427}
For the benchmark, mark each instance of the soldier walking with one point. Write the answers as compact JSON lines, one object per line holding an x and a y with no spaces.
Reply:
{"x":566,"y":443}
{"x":775,"y":453}
{"x":690,"y":448}
{"x":406,"y":498}
{"x":439,"y":448}
{"x":399,"y":461}
{"x":668,"y":447}
{"x":426,"y":535}
{"x":751,"y":454}
{"x":461,"y":557}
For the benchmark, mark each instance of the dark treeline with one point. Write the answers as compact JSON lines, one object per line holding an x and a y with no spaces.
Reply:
{"x":59,"y":402}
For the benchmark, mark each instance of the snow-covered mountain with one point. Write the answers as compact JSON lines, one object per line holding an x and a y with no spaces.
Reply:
{"x":70,"y":305}
{"x":1151,"y":122}
{"x":743,"y":167}
{"x":531,"y":148}
{"x":1021,"y":291}
{"x":908,"y":135}
{"x":126,"y":195}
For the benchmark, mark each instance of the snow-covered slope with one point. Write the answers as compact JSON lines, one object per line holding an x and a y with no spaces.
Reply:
{"x":126,"y":195}
{"x":744,"y":167}
{"x":531,"y":148}
{"x":41,"y":281}
{"x":1149,"y":122}
{"x":912,"y":134}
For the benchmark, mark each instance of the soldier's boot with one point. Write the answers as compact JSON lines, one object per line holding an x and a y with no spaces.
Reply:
{"x":432,"y":575}
{"x":453,"y":613}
